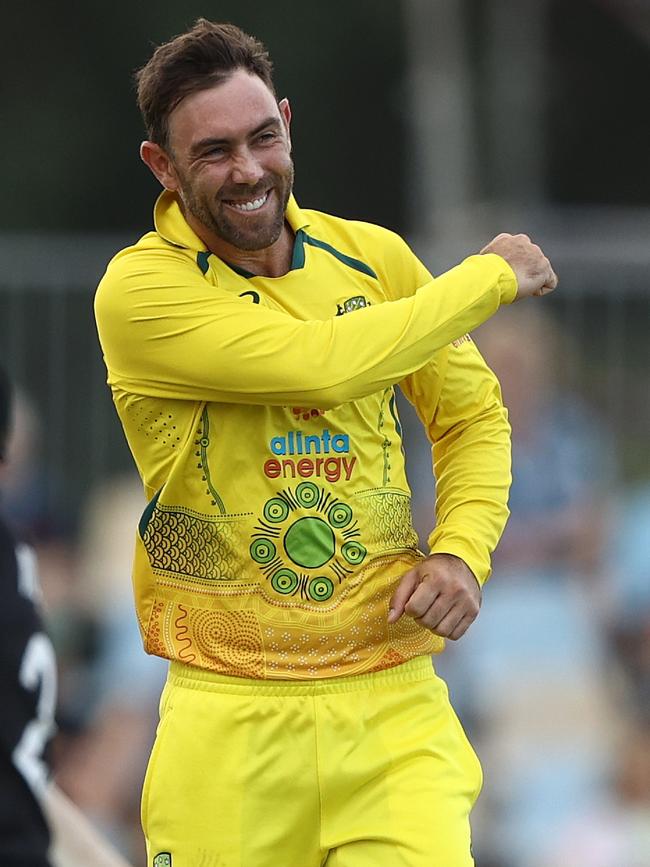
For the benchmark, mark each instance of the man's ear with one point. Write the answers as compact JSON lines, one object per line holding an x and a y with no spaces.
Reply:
{"x":160,"y":164}
{"x":285,"y":111}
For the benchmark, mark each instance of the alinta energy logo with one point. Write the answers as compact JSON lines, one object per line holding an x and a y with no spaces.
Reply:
{"x":306,"y":542}
{"x":299,"y":455}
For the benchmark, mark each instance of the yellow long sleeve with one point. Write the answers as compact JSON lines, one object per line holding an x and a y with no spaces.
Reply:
{"x":167,"y":332}
{"x":458,"y":400}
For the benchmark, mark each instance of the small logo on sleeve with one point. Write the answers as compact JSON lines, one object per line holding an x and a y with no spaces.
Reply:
{"x":162,"y":859}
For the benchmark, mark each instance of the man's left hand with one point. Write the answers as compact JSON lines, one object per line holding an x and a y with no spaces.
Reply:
{"x":440,"y":593}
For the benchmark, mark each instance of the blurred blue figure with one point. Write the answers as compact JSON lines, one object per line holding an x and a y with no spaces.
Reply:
{"x":629,"y":595}
{"x":616,"y":830}
{"x":630,"y":558}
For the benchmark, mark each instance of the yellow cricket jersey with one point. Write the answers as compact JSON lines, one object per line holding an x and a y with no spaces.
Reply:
{"x":261,"y":415}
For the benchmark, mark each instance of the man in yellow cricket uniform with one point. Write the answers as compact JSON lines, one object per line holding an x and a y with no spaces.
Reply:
{"x":252,"y":348}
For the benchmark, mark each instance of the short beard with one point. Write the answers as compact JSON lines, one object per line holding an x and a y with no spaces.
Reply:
{"x":219,"y":224}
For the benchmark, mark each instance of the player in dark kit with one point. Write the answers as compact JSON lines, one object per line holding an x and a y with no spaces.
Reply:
{"x":27,"y":697}
{"x":39,"y":825}
{"x":27,"y":690}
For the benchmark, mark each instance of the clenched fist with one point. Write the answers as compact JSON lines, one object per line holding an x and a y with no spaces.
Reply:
{"x":534,"y":273}
{"x":440,"y":593}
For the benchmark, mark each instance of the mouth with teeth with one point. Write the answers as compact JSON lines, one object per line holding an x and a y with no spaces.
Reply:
{"x":249,"y":204}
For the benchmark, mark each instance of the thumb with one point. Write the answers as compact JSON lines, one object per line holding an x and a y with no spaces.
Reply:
{"x":408,"y":582}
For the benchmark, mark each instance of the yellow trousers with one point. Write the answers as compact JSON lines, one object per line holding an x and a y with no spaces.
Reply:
{"x":365,"y":771}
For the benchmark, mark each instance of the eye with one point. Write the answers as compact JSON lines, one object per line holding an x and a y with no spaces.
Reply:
{"x":267,"y":137}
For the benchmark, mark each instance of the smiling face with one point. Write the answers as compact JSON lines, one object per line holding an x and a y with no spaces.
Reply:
{"x":229,"y":161}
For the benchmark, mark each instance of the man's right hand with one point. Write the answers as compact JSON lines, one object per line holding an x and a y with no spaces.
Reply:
{"x":533,"y":271}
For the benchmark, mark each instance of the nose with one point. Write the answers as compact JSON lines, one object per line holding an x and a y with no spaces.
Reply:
{"x":246,"y":167}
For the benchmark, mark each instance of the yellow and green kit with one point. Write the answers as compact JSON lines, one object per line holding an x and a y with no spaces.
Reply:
{"x":261,"y":415}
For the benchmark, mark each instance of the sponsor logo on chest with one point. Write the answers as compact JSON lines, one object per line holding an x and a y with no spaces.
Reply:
{"x":299,"y":455}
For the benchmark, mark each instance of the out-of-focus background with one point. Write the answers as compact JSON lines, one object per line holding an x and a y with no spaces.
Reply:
{"x":448,"y":121}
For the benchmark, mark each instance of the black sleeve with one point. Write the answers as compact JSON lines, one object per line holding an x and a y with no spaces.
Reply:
{"x":27,"y":695}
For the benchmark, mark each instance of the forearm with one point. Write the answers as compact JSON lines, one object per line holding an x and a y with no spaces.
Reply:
{"x":75,"y":841}
{"x":458,"y":400}
{"x":472,"y":467}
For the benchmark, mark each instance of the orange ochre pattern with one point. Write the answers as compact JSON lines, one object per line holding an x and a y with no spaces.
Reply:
{"x":261,"y":641}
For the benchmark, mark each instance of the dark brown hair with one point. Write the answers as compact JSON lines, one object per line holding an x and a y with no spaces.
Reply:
{"x":204,"y":56}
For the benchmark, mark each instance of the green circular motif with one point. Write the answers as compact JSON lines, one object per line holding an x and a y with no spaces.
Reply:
{"x":310,"y":543}
{"x":284,"y":581}
{"x":262,"y":550}
{"x":276,"y":510}
{"x":307,"y":494}
{"x":320,"y":589}
{"x":354,"y":553}
{"x":340,"y":515}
